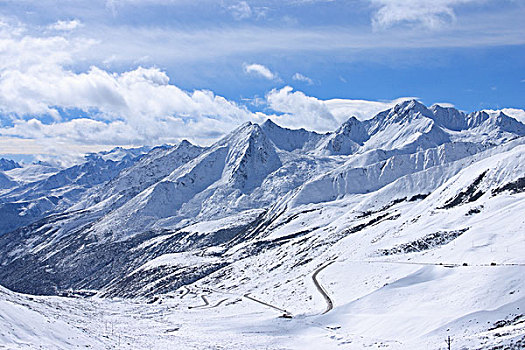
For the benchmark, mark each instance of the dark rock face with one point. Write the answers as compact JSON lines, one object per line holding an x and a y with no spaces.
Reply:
{"x":425,"y":243}
{"x":470,"y":194}
{"x":514,"y":187}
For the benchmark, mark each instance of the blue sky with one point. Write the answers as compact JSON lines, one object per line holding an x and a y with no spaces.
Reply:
{"x":84,"y":75}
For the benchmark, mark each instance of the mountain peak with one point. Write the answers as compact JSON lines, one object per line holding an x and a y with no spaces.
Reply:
{"x":350,"y":121}
{"x":246,"y":125}
{"x":241,"y":133}
{"x":449,"y":117}
{"x":290,"y":139}
{"x":345,"y":140}
{"x":503,"y":123}
{"x":269,"y":124}
{"x":252,"y":156}
{"x":408,"y":105}
{"x":405,"y":107}
{"x":8,"y":164}
{"x":401,"y":113}
{"x":185,"y":143}
{"x":353,"y":129}
{"x":475,"y":119}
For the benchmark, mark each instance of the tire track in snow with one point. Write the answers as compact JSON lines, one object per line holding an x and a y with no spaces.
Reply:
{"x":437,"y":264}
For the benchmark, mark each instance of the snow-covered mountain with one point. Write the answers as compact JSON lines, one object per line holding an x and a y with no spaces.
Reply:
{"x":8,"y":164}
{"x":45,"y":190}
{"x":5,"y":180}
{"x":391,"y":232}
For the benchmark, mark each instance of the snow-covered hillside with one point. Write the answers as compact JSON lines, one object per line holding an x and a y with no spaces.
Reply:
{"x":395,"y":232}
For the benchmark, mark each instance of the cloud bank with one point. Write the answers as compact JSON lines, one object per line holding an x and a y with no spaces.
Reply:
{"x":49,"y":108}
{"x":46,"y":106}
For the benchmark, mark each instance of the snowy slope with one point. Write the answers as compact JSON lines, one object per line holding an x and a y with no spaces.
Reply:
{"x":395,"y":301}
{"x":228,"y":170}
{"x":6,"y":182}
{"x":349,"y":178}
{"x":32,"y":322}
{"x":32,"y":172}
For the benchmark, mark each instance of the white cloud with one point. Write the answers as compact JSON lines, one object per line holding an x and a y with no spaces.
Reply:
{"x":426,"y":13}
{"x":66,"y":25}
{"x":16,"y":145}
{"x":170,"y":46}
{"x":260,"y":70}
{"x":135,"y":107}
{"x":445,"y":104}
{"x":302,"y":78}
{"x":241,"y":10}
{"x":131,"y":38}
{"x":302,"y":111}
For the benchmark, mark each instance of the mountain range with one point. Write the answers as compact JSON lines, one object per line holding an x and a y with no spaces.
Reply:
{"x":414,"y":208}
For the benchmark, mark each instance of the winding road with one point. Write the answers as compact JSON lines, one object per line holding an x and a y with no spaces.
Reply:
{"x":184,"y":293}
{"x":218,"y":303}
{"x":247,"y":295}
{"x":206,"y":303}
{"x":329,"y":302}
